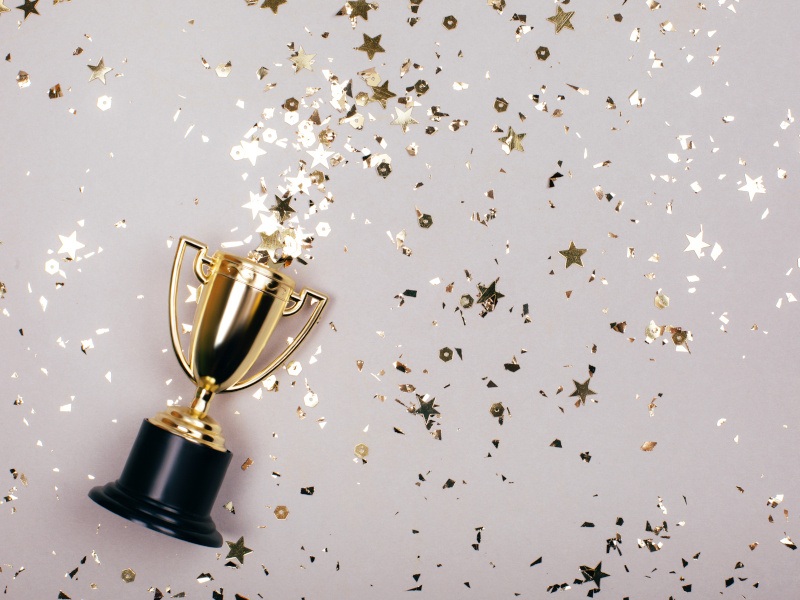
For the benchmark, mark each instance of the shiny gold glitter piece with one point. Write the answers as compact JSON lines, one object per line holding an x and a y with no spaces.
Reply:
{"x":500,"y":105}
{"x":497,"y":409}
{"x":99,"y":71}
{"x":3,"y":7}
{"x":301,"y":60}
{"x":679,"y":337}
{"x":581,"y":392}
{"x":371,"y":45}
{"x":381,"y":93}
{"x":273,"y":5}
{"x":562,"y":19}
{"x":360,"y":8}
{"x":384,"y":169}
{"x":512,"y":141}
{"x":573,"y":255}
{"x":648,"y":446}
{"x":446,"y":354}
{"x":361,"y":451}
{"x":450,"y":22}
{"x":542,"y":53}
{"x":29,"y":8}
{"x":425,"y":221}
{"x":128,"y":575}
{"x":281,"y":512}
{"x":238,"y":550}
{"x":661,"y":300}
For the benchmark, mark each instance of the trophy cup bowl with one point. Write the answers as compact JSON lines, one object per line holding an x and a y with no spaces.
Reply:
{"x":178,"y":461}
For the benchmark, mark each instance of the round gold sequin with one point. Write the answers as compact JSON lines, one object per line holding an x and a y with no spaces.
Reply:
{"x":446,"y":354}
{"x":291,"y":104}
{"x":361,"y":451}
{"x":679,"y":337}
{"x":421,"y":87}
{"x":281,"y":512}
{"x":543,"y":53}
{"x":500,"y":105}
{"x":450,"y":22}
{"x":466,"y":301}
{"x":128,"y":575}
{"x":497,"y":409}
{"x":384,"y":169}
{"x":425,"y":221}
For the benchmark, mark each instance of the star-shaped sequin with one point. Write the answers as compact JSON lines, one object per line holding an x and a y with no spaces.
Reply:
{"x":256,"y":204}
{"x":251,"y":151}
{"x":581,"y":392}
{"x":273,"y":5}
{"x":696,"y":244}
{"x":512,"y":141}
{"x":573,"y":255}
{"x":593,"y":574}
{"x":489,"y":295}
{"x":561,"y":19}
{"x":320,"y":156}
{"x":283,"y":208}
{"x":301,"y":60}
{"x":70,"y":244}
{"x":426,"y":409}
{"x":404,"y":119}
{"x":238,"y":550}
{"x":371,"y":45}
{"x":359,"y":8}
{"x":753,"y":186}
{"x":29,"y":8}
{"x":99,"y":71}
{"x":381,"y":93}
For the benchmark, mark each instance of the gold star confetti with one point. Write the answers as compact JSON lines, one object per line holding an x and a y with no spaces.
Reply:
{"x":283,"y":208}
{"x":582,"y":391}
{"x":561,"y":19}
{"x":29,"y":8}
{"x":489,"y":295}
{"x":593,"y":574}
{"x":273,"y":5}
{"x":753,"y":186}
{"x":427,"y":409}
{"x":512,"y":141}
{"x":573,"y":255}
{"x":404,"y":119}
{"x":238,"y":550}
{"x":360,"y":8}
{"x":371,"y":45}
{"x":301,"y":60}
{"x":70,"y":244}
{"x":696,"y":244}
{"x":381,"y":93}
{"x":99,"y":71}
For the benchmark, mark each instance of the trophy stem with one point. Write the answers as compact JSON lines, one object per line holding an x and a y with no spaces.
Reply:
{"x":202,"y":398}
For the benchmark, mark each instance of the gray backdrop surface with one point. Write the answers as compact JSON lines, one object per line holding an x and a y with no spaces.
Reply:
{"x":661,"y":121}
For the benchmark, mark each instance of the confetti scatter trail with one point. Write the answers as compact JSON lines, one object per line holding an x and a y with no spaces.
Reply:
{"x":573,"y":354}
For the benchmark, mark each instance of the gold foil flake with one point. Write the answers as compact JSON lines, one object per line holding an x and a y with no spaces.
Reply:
{"x":262,"y":72}
{"x":542,"y":53}
{"x":371,"y":45}
{"x":224,"y":69}
{"x":661,"y":300}
{"x":204,"y":578}
{"x":273,"y":5}
{"x":573,"y":255}
{"x":648,"y":446}
{"x":247,"y":464}
{"x":23,"y":79}
{"x":561,"y":19}
{"x":582,"y":391}
{"x":361,"y":451}
{"x":128,"y":575}
{"x":99,"y":71}
{"x":229,"y":507}
{"x":55,"y":92}
{"x":787,"y":541}
{"x":238,"y":550}
{"x":281,"y":512}
{"x":512,"y":141}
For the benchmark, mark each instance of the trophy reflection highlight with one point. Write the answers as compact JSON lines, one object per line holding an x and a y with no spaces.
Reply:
{"x":178,"y":461}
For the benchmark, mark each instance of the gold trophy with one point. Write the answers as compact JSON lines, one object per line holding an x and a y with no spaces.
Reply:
{"x":178,"y":461}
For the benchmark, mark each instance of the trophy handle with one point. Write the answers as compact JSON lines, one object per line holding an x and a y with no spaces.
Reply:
{"x":299,"y":301}
{"x":200,"y":260}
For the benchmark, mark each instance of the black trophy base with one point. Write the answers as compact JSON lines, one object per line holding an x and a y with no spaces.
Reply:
{"x":169,"y":484}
